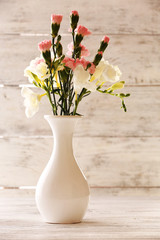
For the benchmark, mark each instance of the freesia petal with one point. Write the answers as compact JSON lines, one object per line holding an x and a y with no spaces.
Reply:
{"x":106,"y":72}
{"x":31,"y":101}
{"x":112,"y":73}
{"x":26,"y":91}
{"x":79,"y":72}
{"x":81,"y":80}
{"x":99,"y":69}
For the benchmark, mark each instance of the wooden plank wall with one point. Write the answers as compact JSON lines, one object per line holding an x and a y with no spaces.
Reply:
{"x":114,"y":149}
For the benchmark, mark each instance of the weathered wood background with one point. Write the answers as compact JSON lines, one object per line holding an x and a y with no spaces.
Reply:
{"x":114,"y":149}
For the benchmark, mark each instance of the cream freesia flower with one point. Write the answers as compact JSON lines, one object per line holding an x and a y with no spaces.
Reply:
{"x":106,"y":72}
{"x":99,"y":70}
{"x":37,"y":67}
{"x":31,"y":102}
{"x":81,"y":80}
{"x":42,"y":71}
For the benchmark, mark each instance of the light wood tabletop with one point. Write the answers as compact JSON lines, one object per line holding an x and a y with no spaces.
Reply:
{"x":108,"y":217}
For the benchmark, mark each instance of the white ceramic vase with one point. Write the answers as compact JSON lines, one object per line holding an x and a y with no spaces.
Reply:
{"x":62,"y":192}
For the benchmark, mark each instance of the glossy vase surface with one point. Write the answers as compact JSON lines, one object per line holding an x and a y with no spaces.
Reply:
{"x":62,"y":192}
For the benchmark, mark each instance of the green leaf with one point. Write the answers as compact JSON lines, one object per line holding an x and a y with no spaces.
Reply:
{"x":35,"y":83}
{"x":35,"y":77}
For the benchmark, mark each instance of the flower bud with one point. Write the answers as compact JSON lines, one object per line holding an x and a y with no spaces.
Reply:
{"x":98,"y":58}
{"x":59,"y":49}
{"x":104,"y":44}
{"x":44,"y":47}
{"x":74,"y":18}
{"x":78,"y":39}
{"x":81,"y":30}
{"x":56,"y":20}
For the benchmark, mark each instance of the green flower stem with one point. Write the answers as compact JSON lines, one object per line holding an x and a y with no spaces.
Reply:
{"x":54,"y":51}
{"x":121,"y":96}
{"x":54,"y":99}
{"x":61,"y":93}
{"x":50,"y":100}
{"x":65,"y":98}
{"x":76,"y":105}
{"x":70,"y":90}
{"x":71,"y":97}
{"x":84,"y":90}
{"x":73,"y":37}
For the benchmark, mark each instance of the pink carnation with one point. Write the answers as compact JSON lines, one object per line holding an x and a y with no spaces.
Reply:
{"x":70,"y":48}
{"x":74,"y":13}
{"x":106,"y":39}
{"x":82,"y":62}
{"x":100,"y":53}
{"x":45,"y":45}
{"x":69,"y":62}
{"x":85,"y":63}
{"x":81,"y":30}
{"x":56,"y":19}
{"x":84,"y":50}
{"x":39,"y":60}
{"x":36,"y":62}
{"x":92,"y":68}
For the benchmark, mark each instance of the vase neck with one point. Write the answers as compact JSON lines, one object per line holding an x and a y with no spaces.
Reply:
{"x":62,"y":125}
{"x":62,"y":128}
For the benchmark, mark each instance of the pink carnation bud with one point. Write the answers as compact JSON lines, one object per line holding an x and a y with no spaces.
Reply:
{"x":56,"y":19}
{"x":106,"y":39}
{"x":69,"y":62}
{"x":100,"y":53}
{"x":81,"y":30}
{"x":45,"y":45}
{"x":74,"y":13}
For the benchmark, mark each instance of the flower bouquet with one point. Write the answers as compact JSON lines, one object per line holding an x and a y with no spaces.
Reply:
{"x":62,"y":192}
{"x":66,"y":80}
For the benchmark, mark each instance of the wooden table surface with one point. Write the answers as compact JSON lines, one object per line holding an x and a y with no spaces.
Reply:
{"x":108,"y":217}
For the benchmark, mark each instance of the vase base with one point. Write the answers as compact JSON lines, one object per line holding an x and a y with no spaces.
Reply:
{"x":59,"y":222}
{"x":66,"y":211}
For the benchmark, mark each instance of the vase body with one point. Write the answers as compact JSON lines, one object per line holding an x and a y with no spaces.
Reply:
{"x":62,"y":192}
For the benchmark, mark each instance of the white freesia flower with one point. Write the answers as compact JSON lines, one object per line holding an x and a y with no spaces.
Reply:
{"x":99,"y":69}
{"x":42,"y":71}
{"x":37,"y":67}
{"x":28,"y":73}
{"x":31,"y":102}
{"x":81,"y":80}
{"x":106,"y":72}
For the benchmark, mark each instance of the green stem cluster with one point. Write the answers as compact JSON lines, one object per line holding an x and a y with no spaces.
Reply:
{"x":120,"y":95}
